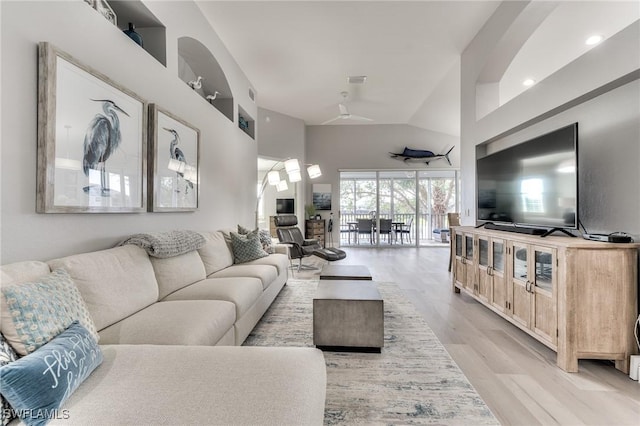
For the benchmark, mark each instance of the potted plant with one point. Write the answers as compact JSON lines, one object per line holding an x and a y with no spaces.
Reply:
{"x":310,"y":209}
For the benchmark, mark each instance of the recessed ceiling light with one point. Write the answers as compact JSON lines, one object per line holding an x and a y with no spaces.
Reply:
{"x":529,"y":82}
{"x":594,"y":39}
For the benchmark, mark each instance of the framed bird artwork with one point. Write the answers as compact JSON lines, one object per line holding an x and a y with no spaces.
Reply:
{"x":174,"y":163}
{"x":92,"y":153}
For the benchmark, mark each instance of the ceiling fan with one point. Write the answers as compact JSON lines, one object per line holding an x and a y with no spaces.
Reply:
{"x":344,"y":113}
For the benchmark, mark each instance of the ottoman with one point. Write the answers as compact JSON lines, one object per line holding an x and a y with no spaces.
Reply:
{"x":348,"y":315}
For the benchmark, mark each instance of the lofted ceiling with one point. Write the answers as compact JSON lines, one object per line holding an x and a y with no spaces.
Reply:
{"x":298,"y":54}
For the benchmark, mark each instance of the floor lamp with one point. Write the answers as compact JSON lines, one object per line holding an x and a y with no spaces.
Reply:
{"x":272,"y":177}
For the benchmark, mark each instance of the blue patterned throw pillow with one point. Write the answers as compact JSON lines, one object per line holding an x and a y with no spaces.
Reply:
{"x":7,"y":355}
{"x":38,"y":311}
{"x":246,"y":247}
{"x":38,"y":384}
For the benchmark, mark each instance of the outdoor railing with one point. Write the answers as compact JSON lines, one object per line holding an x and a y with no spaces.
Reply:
{"x":424,"y":224}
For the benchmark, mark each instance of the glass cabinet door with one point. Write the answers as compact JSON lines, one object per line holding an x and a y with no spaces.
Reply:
{"x":520,"y":263}
{"x":498,"y":256}
{"x":483,"y":252}
{"x":458,"y":245}
{"x":543,"y":270}
{"x":468,"y":241}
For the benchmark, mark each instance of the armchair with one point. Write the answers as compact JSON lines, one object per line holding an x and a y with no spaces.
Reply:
{"x":299,"y":247}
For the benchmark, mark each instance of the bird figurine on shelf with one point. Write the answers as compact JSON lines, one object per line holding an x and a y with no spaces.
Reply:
{"x":100,"y":141}
{"x":177,"y":154}
{"x":195,"y":84}
{"x":213,"y":97}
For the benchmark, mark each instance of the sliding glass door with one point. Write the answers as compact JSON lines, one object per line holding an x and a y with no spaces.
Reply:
{"x":437,"y":191}
{"x":395,"y":208}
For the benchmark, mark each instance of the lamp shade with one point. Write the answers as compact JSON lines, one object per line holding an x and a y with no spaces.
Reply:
{"x":282,"y":186}
{"x":191,"y":174}
{"x":292,"y":165}
{"x":314,"y":171}
{"x":273,"y":177}
{"x":295,"y":176}
{"x":176,"y":165}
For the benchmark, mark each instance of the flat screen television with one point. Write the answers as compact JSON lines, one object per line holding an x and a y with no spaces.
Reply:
{"x":533,"y":184}
{"x":285,"y":206}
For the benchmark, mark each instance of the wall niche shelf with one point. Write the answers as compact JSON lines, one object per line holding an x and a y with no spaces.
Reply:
{"x":195,"y":60}
{"x":147,"y":25}
{"x":246,"y":123}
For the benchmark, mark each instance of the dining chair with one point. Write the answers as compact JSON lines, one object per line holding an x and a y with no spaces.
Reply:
{"x":404,"y":229}
{"x":454,"y":220}
{"x":385,"y":229}
{"x":364,"y":226}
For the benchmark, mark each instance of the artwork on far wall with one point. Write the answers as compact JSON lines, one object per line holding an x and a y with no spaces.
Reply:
{"x":322,"y":196}
{"x":91,"y":139}
{"x":174,"y":152}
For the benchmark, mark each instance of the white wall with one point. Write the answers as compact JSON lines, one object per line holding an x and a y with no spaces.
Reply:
{"x":281,"y":137}
{"x":228,"y":156}
{"x":367,"y":147}
{"x":599,"y":90}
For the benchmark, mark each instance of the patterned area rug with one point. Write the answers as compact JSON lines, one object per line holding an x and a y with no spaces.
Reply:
{"x":413,"y":381}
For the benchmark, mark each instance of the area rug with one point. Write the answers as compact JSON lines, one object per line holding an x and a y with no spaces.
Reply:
{"x":413,"y":381}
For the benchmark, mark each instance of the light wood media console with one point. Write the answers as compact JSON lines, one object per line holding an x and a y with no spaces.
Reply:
{"x":578,"y":297}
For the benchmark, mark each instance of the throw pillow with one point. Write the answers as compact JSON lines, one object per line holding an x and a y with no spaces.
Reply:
{"x":265,"y":239}
{"x":7,"y":355}
{"x":35,"y":312}
{"x":246,"y":247}
{"x":263,"y":234}
{"x":38,"y":384}
{"x":242,"y":230}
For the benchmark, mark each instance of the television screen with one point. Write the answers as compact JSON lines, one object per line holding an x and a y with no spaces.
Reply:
{"x":285,"y":206}
{"x":534,"y":183}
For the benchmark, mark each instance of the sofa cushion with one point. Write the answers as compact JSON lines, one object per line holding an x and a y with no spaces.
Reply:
{"x":279,"y":260}
{"x":243,"y":292}
{"x":7,"y":355}
{"x":179,"y":322}
{"x":216,"y":254}
{"x":114,"y":283}
{"x":142,"y":384}
{"x":173,"y":273}
{"x":41,"y":381}
{"x":246,"y":247}
{"x":34,"y":312}
{"x":266,"y":273}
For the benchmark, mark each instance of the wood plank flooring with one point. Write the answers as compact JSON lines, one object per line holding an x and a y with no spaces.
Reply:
{"x":515,"y":375}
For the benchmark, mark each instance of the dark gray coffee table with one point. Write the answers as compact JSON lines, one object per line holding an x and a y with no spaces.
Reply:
{"x":348,"y":315}
{"x":345,"y":272}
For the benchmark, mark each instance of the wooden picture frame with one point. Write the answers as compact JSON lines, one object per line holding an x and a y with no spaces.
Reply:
{"x":174,"y":163}
{"x":91,"y":139}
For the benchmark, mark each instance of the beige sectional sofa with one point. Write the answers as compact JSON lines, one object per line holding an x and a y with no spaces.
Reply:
{"x":170,"y":330}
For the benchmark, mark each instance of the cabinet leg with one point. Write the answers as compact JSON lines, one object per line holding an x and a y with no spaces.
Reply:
{"x":567,"y":363}
{"x":623,"y":364}
{"x":456,"y":290}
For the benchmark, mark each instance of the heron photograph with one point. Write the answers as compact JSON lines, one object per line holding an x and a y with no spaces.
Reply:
{"x":99,"y":141}
{"x":175,"y":164}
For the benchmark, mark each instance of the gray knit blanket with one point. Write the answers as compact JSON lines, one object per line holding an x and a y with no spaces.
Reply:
{"x":167,"y":244}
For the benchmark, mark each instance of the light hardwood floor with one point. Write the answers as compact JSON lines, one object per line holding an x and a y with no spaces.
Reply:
{"x":514,"y":374}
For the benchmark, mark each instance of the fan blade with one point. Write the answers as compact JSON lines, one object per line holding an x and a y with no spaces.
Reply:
{"x":333,"y":119}
{"x":358,"y":117}
{"x":343,"y":109}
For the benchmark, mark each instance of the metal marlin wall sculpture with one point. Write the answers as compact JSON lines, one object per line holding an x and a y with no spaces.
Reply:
{"x":420,"y":155}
